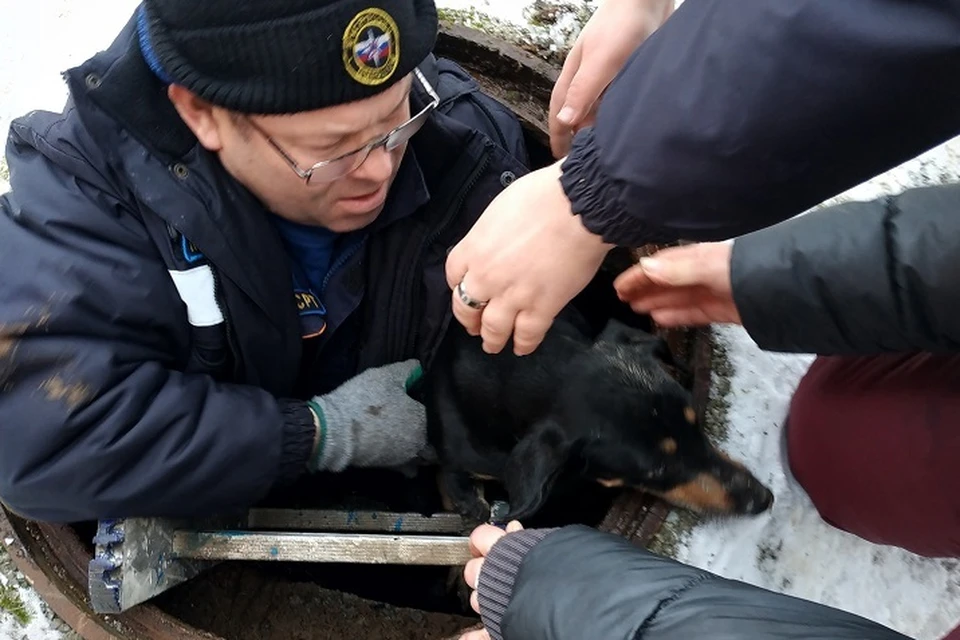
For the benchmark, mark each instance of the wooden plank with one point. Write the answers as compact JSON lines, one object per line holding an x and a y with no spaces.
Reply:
{"x":322,"y":547}
{"x":355,"y":521}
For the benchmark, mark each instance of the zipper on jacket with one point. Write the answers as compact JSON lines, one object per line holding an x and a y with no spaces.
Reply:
{"x":405,"y":296}
{"x":338,"y":264}
{"x":228,"y":331}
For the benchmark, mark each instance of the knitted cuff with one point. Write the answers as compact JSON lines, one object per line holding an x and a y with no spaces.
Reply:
{"x":499,"y":572}
{"x":299,"y":432}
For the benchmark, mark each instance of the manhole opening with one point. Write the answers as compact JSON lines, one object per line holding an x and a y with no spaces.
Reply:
{"x":265,"y":600}
{"x":203,"y":601}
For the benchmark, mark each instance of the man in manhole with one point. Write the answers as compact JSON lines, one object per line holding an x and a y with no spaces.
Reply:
{"x":224,"y":260}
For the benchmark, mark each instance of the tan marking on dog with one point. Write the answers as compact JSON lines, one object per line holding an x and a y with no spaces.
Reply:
{"x":668,"y":446}
{"x":702,"y":493}
{"x":481,"y":476}
{"x":690,"y":415}
{"x":611,"y":483}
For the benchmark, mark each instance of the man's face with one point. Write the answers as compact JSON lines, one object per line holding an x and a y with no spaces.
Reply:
{"x":345,"y":204}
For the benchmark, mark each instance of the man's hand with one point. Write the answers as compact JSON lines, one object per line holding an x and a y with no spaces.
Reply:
{"x":370,"y":421}
{"x":526,"y":257}
{"x":613,"y":32}
{"x":481,"y":541}
{"x":682,"y":286}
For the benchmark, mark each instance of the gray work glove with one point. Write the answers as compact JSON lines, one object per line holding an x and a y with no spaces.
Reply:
{"x":370,"y":421}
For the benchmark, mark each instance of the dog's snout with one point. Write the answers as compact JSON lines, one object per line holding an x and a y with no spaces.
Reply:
{"x":748,"y":495}
{"x":761,"y":500}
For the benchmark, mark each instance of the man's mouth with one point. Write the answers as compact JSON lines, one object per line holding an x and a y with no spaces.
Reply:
{"x":364,"y":203}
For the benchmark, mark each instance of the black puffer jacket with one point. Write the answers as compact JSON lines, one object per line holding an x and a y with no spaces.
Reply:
{"x":859,"y":278}
{"x":576,"y":583}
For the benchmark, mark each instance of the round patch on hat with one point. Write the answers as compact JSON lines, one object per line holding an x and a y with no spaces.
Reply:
{"x":371,"y":47}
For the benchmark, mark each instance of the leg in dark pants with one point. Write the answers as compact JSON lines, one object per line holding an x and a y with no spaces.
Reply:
{"x":875,"y":442}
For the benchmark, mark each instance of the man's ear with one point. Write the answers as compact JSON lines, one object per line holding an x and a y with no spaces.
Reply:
{"x":199,"y":115}
{"x":533,"y":467}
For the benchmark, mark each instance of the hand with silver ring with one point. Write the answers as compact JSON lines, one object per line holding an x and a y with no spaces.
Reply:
{"x":527,"y":256}
{"x":467,"y":300}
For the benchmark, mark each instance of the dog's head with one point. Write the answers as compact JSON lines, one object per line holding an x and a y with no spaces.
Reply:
{"x":622,"y":420}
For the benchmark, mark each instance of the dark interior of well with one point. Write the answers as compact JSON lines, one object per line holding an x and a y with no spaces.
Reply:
{"x":263,"y":600}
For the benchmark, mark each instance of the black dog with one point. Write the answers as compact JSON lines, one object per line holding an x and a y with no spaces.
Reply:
{"x":605,"y":408}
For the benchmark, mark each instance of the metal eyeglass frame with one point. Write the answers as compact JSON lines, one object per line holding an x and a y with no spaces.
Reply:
{"x":357,"y":157}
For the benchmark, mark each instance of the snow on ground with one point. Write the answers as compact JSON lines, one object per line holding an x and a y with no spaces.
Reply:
{"x":789,"y":549}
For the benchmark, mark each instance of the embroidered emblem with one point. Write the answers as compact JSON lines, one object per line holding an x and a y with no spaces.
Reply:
{"x":371,"y":47}
{"x":312,"y":313}
{"x":308,"y":304}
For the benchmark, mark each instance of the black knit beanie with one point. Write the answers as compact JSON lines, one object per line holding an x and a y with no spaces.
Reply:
{"x":285,"y":56}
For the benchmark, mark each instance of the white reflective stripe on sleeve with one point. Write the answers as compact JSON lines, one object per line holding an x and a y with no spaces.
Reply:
{"x":195,"y":287}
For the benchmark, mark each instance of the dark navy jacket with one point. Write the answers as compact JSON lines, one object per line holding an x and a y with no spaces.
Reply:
{"x":151,"y":360}
{"x":736,"y":115}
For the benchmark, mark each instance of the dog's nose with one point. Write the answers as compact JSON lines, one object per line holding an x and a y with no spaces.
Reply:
{"x":760,"y":503}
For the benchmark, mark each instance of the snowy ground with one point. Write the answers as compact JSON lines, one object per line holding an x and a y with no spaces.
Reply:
{"x":789,"y":549}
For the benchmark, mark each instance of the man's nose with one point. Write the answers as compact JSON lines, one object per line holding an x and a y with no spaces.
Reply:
{"x":378,"y":166}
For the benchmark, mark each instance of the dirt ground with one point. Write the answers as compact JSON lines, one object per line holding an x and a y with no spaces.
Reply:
{"x":240,"y":602}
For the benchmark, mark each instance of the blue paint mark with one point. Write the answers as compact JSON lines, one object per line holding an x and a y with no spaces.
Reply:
{"x":160,"y":571}
{"x":398,"y":524}
{"x":351,"y":517}
{"x":274,"y":551}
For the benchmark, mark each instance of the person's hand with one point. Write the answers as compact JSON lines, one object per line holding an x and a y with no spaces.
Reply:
{"x":526,"y":257}
{"x":682,"y":286}
{"x":613,"y":32}
{"x":481,"y":541}
{"x":370,"y":421}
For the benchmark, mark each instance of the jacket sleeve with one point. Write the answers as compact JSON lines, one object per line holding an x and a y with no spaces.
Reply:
{"x":736,"y":115}
{"x":580,"y":583}
{"x":858,"y":278}
{"x":97,"y":422}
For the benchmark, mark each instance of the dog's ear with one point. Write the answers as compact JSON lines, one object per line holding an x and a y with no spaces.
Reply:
{"x":533,"y":467}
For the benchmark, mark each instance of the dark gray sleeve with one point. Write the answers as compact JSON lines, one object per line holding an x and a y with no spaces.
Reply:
{"x":857,"y":278}
{"x":578,"y":583}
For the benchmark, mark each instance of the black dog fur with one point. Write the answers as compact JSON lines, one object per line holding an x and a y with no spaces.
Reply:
{"x":603,"y":408}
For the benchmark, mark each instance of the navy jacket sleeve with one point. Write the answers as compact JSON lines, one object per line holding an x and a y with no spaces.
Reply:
{"x":580,"y":583}
{"x":97,"y":422}
{"x":858,"y":278}
{"x":737,"y":115}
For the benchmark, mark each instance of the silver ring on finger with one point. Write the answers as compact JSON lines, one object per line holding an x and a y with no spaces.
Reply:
{"x":467,"y":300}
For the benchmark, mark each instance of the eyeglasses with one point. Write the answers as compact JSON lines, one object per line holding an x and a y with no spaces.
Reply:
{"x":330,"y":170}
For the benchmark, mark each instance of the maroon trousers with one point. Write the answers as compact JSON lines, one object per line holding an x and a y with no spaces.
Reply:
{"x":875,"y":442}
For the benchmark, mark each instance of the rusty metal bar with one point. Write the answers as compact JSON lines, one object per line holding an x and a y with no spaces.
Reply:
{"x":322,"y":547}
{"x":354,"y":521}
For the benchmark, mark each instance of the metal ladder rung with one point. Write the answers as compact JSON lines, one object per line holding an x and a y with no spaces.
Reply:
{"x":322,"y":547}
{"x":360,"y":521}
